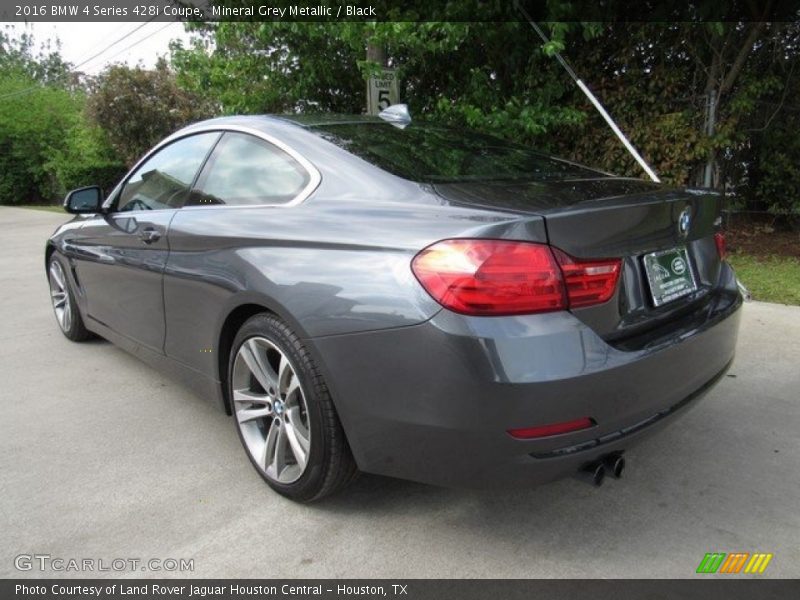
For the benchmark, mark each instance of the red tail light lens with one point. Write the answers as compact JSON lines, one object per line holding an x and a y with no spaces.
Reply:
{"x":722,"y":249}
{"x":588,"y":281}
{"x":491,"y":277}
{"x":499,"y":277}
{"x":527,"y":433}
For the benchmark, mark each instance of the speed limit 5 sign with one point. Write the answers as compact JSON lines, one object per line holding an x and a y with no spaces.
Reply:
{"x":382,"y":91}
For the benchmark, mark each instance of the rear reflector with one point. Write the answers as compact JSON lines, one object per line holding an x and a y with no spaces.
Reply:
{"x":527,"y":433}
{"x":719,"y":240}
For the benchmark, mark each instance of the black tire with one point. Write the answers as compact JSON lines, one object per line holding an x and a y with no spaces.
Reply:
{"x":330,"y":465}
{"x":72,"y":326}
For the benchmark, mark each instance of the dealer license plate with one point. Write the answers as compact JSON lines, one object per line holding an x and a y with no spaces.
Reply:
{"x":669,"y":274}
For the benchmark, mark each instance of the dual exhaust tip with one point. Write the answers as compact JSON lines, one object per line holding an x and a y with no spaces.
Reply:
{"x":595,"y":472}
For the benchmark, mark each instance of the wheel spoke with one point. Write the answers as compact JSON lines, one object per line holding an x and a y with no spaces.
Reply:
{"x":57,"y":274}
{"x":251,"y":397}
{"x":245,"y":415}
{"x":297,"y":436}
{"x":285,"y":374}
{"x":66,"y":315}
{"x":256,"y":360}
{"x":269,"y":446}
{"x":294,"y":386}
{"x":276,"y":451}
{"x":59,"y":299}
{"x":251,"y":413}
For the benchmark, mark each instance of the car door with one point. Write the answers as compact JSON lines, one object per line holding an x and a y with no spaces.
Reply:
{"x":119,"y":256}
{"x":236,"y":198}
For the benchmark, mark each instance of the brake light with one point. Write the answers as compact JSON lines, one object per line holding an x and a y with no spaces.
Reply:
{"x":588,"y":281}
{"x":500,"y":277}
{"x":722,"y":249}
{"x":527,"y":433}
{"x":491,"y":277}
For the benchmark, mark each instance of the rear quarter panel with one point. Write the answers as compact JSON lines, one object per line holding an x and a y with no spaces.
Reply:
{"x":328,"y":266}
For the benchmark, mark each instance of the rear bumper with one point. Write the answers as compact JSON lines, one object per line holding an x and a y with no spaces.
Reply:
{"x":433,"y":402}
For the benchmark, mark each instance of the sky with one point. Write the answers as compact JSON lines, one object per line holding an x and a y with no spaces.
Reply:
{"x":79,"y":41}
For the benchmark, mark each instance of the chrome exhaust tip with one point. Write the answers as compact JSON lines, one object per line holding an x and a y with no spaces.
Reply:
{"x":593,"y":473}
{"x":615,"y":464}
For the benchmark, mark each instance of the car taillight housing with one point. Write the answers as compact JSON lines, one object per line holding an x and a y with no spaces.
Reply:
{"x":500,"y":277}
{"x":588,"y":281}
{"x":722,"y":249}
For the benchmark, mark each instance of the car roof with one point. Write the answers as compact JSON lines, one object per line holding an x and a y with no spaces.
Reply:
{"x":305,"y":121}
{"x":322,"y":119}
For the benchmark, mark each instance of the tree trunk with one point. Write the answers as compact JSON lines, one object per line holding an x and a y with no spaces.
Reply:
{"x":375,"y":53}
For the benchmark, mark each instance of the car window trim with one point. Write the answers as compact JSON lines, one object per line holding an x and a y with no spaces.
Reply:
{"x":314,"y":175}
{"x":208,"y":164}
{"x":203,"y":164}
{"x":113,"y":197}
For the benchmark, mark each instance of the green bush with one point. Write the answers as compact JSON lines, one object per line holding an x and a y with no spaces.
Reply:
{"x":33,"y":123}
{"x":85,"y":159}
{"x":47,"y":146}
{"x":47,"y":143}
{"x":104,"y":175}
{"x":135,"y":108}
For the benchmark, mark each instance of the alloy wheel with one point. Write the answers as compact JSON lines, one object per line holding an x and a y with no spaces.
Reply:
{"x":60,"y":296}
{"x":270,"y":408}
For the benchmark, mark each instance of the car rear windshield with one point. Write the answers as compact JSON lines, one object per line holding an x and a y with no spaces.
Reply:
{"x":437,"y":154}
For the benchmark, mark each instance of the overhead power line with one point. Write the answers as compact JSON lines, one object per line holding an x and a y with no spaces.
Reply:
{"x":157,"y":31}
{"x":114,"y":43}
{"x":125,"y":49}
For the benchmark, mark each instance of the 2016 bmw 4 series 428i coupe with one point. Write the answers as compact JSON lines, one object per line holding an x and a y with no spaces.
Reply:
{"x":403,"y":299}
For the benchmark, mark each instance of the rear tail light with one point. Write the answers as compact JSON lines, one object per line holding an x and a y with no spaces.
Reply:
{"x":588,"y":281}
{"x":499,"y":277}
{"x":719,"y":240}
{"x":491,"y":277}
{"x":527,"y":433}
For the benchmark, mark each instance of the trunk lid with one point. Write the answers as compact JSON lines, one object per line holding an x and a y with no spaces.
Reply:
{"x":622,"y":218}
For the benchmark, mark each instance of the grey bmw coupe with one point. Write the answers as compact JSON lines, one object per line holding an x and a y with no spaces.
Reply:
{"x":403,"y":298}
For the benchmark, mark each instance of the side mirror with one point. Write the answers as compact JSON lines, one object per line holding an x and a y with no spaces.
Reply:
{"x":84,"y":200}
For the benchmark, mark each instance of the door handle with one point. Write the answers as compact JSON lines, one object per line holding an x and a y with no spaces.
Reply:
{"x":150,"y":235}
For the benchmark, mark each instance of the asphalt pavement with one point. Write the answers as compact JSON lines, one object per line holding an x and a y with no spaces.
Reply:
{"x":104,"y":458}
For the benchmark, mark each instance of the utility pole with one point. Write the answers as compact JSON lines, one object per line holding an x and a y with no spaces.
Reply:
{"x":375,"y":53}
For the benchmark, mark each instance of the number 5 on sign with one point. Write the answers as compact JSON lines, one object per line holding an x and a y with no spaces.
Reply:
{"x":382,"y":91}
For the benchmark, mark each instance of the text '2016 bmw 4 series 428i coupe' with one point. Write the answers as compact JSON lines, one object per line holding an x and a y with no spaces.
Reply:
{"x":403,"y":298}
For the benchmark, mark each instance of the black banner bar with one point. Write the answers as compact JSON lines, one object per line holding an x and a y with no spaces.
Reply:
{"x":392,"y":10}
{"x":707,"y":588}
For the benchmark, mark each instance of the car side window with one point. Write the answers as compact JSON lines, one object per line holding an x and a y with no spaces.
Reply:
{"x":164,"y":179}
{"x":246,"y":170}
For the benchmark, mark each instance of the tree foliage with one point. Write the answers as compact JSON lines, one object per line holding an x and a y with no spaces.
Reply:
{"x":654,"y":78}
{"x":43,"y":131}
{"x":657,"y":79}
{"x":136,"y":107}
{"x":43,"y":64}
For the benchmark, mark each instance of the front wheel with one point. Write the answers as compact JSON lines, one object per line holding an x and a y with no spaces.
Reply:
{"x":64,"y":306}
{"x":284,"y":414}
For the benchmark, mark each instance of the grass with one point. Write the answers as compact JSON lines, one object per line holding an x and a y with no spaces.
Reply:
{"x":769,"y":278}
